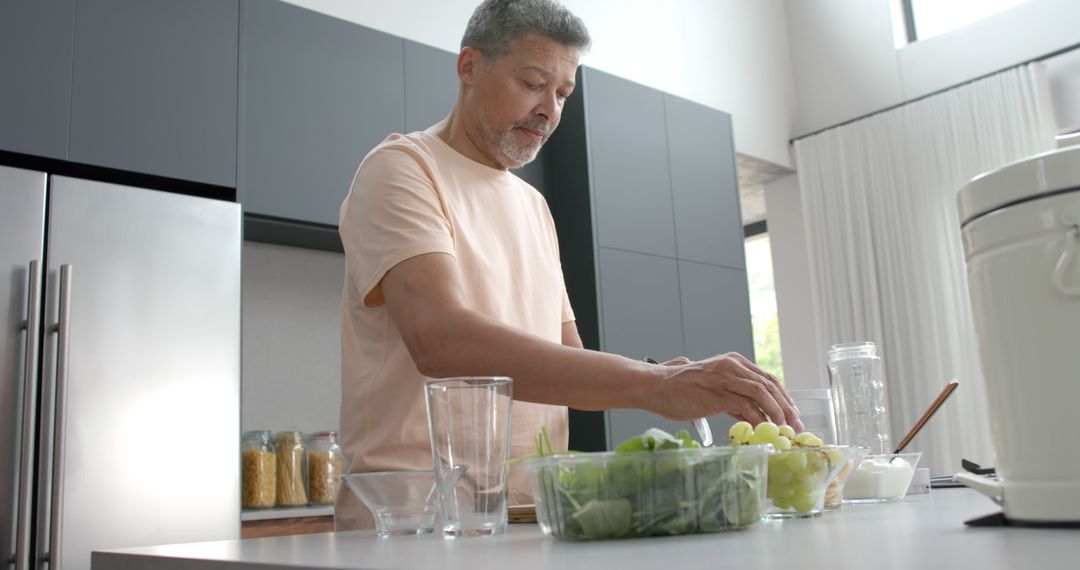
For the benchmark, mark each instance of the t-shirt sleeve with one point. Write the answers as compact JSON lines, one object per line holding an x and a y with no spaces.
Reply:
{"x":392,"y":213}
{"x":567,"y":310}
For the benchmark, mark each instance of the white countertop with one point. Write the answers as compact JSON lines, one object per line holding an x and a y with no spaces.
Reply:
{"x":922,"y":532}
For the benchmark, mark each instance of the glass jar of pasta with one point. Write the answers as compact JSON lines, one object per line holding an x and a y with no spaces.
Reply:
{"x":258,"y":485}
{"x":324,"y":467}
{"x":291,"y":469}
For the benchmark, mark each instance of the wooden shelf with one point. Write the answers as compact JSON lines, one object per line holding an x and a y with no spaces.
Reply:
{"x":286,"y":521}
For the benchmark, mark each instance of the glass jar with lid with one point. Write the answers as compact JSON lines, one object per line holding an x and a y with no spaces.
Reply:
{"x":258,"y":484}
{"x":858,"y":394}
{"x":291,"y":469}
{"x":324,"y":467}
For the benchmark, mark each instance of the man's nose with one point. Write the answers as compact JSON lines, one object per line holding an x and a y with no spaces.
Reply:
{"x":549,"y":107}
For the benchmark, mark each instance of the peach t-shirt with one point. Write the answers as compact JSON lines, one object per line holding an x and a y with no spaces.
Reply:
{"x":414,"y":194}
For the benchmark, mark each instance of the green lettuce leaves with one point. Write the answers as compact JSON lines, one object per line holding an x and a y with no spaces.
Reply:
{"x":673,"y":490}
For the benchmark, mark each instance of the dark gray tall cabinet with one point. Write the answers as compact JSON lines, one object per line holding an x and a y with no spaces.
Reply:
{"x":644,"y":191}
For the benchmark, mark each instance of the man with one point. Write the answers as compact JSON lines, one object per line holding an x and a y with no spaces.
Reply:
{"x":453,"y":270}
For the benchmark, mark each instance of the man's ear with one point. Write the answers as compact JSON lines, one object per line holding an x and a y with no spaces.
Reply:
{"x":468,"y":64}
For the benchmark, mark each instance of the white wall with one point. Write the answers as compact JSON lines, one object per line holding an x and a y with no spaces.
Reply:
{"x":292,"y":338}
{"x":799,"y":344}
{"x":1063,"y":82}
{"x":846,"y":65}
{"x":843,"y":60}
{"x":731,"y":55}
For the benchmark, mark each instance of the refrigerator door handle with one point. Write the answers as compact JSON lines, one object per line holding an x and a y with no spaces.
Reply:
{"x":62,"y":328}
{"x":23,"y":527}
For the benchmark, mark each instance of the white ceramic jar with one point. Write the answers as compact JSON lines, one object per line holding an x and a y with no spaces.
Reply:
{"x":1021,"y":233}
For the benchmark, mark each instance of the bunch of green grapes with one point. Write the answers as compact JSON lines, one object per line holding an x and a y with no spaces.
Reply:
{"x":798,"y":470}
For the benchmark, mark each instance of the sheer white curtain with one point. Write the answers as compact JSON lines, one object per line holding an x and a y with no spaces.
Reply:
{"x":886,"y":259}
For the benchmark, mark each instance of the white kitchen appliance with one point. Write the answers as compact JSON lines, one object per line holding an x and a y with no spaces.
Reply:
{"x":119,"y":369}
{"x":1021,"y":234}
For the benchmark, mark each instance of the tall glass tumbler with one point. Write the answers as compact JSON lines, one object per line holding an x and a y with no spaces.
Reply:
{"x":858,"y":390}
{"x":469,"y":424}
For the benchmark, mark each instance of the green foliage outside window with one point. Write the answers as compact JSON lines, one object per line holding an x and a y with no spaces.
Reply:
{"x":767,"y":345}
{"x":764,"y":317}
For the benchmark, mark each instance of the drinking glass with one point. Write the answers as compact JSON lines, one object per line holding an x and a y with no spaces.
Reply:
{"x":469,"y":425}
{"x":816,"y":413}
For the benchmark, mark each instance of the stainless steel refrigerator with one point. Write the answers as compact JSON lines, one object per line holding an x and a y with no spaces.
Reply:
{"x":119,"y":369}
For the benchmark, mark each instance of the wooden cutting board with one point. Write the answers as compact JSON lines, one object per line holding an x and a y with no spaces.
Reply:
{"x":521,"y":514}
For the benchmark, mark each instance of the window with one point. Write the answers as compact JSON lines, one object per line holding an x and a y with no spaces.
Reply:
{"x":763,"y":314}
{"x":929,"y":18}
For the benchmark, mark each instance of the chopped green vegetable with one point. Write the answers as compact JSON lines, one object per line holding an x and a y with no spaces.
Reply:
{"x":604,"y":519}
{"x":673,"y":491}
{"x":657,"y":439}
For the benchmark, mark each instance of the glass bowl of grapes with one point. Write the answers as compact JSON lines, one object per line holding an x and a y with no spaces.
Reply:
{"x":800,"y":468}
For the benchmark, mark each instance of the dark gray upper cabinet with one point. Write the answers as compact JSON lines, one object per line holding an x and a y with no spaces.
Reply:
{"x":431,"y":85}
{"x":316,"y":95}
{"x":35,"y":64}
{"x":629,"y":164}
{"x":639,"y":296}
{"x":154,"y":88}
{"x":715,"y":310}
{"x":704,"y":183}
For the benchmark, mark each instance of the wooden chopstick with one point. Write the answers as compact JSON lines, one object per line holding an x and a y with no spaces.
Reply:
{"x":944,"y":395}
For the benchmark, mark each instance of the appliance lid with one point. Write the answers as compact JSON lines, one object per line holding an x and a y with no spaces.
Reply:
{"x":1051,"y":172}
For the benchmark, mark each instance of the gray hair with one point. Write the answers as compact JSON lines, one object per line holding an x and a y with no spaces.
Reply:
{"x":496,"y":24}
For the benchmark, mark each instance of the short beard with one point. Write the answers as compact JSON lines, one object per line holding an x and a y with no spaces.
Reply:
{"x":504,"y":148}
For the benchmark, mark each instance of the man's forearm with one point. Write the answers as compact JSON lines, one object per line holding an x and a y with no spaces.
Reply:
{"x":466,"y":343}
{"x":423,"y":295}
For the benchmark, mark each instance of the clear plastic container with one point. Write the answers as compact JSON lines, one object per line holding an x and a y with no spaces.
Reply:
{"x":258,"y":485}
{"x":859,"y":399}
{"x":291,"y":470}
{"x":595,"y":496}
{"x":324,"y":467}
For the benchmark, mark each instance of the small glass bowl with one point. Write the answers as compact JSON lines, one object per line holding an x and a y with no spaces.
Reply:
{"x":882,"y":478}
{"x":798,"y":478}
{"x":834,"y":494}
{"x":403,"y":502}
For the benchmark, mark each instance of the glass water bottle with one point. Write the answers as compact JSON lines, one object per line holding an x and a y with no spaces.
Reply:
{"x":859,"y":396}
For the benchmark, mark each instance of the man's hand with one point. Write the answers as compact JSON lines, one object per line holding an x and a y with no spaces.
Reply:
{"x":729,"y":384}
